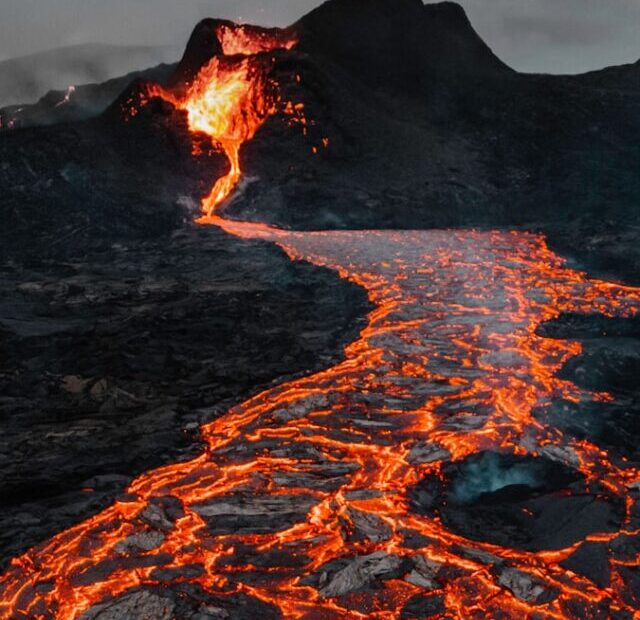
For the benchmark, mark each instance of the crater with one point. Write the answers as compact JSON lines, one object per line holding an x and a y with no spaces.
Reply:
{"x":524,"y":502}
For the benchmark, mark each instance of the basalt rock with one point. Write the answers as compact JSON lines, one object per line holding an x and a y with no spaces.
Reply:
{"x":591,"y":560}
{"x":609,"y":362}
{"x":351,"y":575}
{"x":527,"y":587}
{"x":112,"y":361}
{"x":180,"y":601}
{"x":516,"y":502}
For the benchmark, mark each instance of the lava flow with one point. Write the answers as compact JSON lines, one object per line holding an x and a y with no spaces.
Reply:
{"x":230,"y":98}
{"x":317,"y":499}
{"x":302,"y":497}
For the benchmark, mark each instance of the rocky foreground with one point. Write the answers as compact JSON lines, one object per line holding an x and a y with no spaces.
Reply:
{"x":414,"y":479}
{"x":112,"y":360}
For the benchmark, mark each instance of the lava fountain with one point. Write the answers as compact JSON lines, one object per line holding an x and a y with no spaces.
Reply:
{"x":230,"y":98}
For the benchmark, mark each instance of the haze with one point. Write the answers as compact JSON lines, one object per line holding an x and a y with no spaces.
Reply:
{"x":553,"y":36}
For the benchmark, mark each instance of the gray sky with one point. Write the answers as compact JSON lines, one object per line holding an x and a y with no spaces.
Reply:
{"x":555,"y":36}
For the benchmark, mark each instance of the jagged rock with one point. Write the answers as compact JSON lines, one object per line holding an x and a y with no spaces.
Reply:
{"x":527,"y":587}
{"x":145,"y":541}
{"x":360,"y":572}
{"x":631,"y":579}
{"x":301,"y":408}
{"x":99,"y":390}
{"x":421,"y":607}
{"x":168,"y":575}
{"x":358,"y":494}
{"x":625,"y":546}
{"x":464,"y":422}
{"x":561,"y":454}
{"x":209,"y":612}
{"x":142,"y":605}
{"x":478,"y":555}
{"x":325,"y":475}
{"x":366,"y":525}
{"x":415,"y":540}
{"x":162,"y":512}
{"x":591,"y":560}
{"x":424,"y":573}
{"x":422,"y":453}
{"x":74,"y":385}
{"x":100,"y":571}
{"x":254,"y":513}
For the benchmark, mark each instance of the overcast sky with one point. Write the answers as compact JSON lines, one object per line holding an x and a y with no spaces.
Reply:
{"x":555,"y":36}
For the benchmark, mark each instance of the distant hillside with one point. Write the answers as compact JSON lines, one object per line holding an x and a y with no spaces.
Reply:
{"x":26,"y":79}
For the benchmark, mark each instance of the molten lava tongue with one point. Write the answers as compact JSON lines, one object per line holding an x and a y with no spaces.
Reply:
{"x":225,"y":185}
{"x":227,"y":103}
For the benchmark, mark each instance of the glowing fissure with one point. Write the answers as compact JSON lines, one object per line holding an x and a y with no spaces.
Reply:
{"x":453,"y":333}
{"x":229,"y":105}
{"x":243,"y":40}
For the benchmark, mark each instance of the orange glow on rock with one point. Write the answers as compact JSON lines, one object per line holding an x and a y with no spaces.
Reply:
{"x":454,"y":324}
{"x":229,"y":99}
{"x":243,"y":40}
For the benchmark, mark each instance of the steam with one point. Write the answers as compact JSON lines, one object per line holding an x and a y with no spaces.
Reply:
{"x":491,"y":473}
{"x":25,"y":80}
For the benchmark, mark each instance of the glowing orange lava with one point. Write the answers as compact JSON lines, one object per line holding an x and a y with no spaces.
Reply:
{"x":449,"y":306}
{"x":244,"y":40}
{"x":229,"y":100}
{"x":229,"y":105}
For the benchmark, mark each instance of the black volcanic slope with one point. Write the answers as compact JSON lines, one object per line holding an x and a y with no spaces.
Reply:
{"x":428,"y":128}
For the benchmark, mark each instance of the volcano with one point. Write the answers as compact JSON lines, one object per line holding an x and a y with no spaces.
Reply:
{"x":287,"y":331}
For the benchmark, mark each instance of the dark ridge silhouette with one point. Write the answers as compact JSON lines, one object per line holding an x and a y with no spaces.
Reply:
{"x":405,"y":44}
{"x":203,"y":45}
{"x":621,"y":77}
{"x":28,"y":78}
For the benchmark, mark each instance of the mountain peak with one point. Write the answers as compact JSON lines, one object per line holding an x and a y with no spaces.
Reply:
{"x":397,"y":40}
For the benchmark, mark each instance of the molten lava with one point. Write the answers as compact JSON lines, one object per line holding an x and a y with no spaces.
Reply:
{"x":229,"y":104}
{"x":230,"y":98}
{"x":318,"y":469}
{"x":245,"y":40}
{"x":292,"y":473}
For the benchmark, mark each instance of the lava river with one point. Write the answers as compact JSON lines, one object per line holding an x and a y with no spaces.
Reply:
{"x":305,"y":496}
